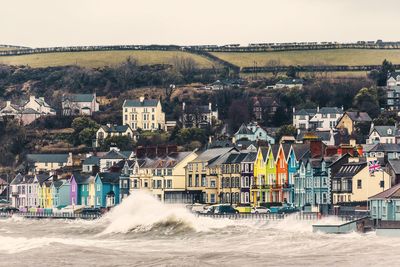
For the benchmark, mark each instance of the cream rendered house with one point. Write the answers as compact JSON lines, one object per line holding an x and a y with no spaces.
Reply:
{"x":145,"y":114}
{"x":354,"y":182}
{"x":49,"y":162}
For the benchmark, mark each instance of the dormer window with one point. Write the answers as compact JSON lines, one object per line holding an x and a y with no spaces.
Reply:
{"x":389,"y":131}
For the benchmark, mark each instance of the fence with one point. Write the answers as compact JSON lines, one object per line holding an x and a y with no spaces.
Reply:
{"x":35,"y":215}
{"x":303,"y":216}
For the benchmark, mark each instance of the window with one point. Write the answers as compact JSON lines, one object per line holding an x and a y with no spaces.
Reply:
{"x":397,"y":208}
{"x":98,"y":187}
{"x":203,"y":180}
{"x":383,"y":210}
{"x":196,"y":180}
{"x":212,"y":198}
{"x":159,"y":185}
{"x":212,"y":183}
{"x":359,"y":184}
{"x":189,"y":180}
{"x":374,"y":210}
{"x":169,"y":183}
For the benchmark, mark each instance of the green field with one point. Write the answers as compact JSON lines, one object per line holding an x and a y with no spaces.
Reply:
{"x":102,"y":58}
{"x":350,"y":57}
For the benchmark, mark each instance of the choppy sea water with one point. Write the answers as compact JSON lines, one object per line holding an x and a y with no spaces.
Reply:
{"x":143,"y":232}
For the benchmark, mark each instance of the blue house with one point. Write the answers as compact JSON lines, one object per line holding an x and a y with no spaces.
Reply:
{"x":106,"y":189}
{"x":61,"y":193}
{"x":385,"y":206}
{"x":124,"y":179}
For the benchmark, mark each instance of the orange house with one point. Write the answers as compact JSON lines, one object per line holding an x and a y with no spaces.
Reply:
{"x":282,"y":173}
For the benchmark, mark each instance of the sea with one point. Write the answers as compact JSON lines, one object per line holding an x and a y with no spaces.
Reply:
{"x":141,"y":231}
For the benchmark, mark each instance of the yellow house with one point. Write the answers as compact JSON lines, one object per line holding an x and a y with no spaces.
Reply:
{"x":202,"y":176}
{"x":46,"y":197}
{"x":354,"y":182}
{"x":142,"y":113}
{"x":260,"y":175}
{"x":352,"y":119}
{"x":168,"y":180}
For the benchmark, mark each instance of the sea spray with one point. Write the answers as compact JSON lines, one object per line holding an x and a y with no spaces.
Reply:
{"x":141,"y":212}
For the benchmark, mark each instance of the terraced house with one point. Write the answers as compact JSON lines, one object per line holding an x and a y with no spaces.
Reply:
{"x":202,"y":175}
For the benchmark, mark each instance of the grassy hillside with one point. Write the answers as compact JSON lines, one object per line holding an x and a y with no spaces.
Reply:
{"x":101,"y":58}
{"x":314,"y":57}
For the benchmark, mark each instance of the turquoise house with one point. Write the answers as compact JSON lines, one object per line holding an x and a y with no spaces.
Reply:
{"x":84,"y":193}
{"x":106,"y":190}
{"x":60,"y":190}
{"x":385,"y":206}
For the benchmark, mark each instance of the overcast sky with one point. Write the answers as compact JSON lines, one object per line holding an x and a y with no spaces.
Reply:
{"x":39,"y":23}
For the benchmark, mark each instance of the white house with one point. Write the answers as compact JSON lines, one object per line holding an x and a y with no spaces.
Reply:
{"x":79,"y":104}
{"x":113,"y":157}
{"x":326,"y":118}
{"x":198,"y":116}
{"x":322,"y":119}
{"x":252,"y":132}
{"x":109,"y":130}
{"x":39,"y":105}
{"x":383,"y":135}
{"x":394,"y":79}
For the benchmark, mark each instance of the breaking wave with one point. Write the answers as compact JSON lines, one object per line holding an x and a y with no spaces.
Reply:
{"x":141,"y":212}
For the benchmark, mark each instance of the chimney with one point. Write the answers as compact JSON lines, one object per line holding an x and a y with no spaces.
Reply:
{"x":209,"y":106}
{"x":342,"y":108}
{"x":32,"y":98}
{"x":358,"y":113}
{"x":183,"y":106}
{"x":141,"y":99}
{"x":316,"y":148}
{"x":318,"y":108}
{"x":8,"y":103}
{"x":294,"y":110}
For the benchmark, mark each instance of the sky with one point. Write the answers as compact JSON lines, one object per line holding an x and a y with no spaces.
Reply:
{"x":46,"y":23}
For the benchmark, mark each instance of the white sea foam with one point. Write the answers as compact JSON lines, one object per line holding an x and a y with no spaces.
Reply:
{"x":142,"y":212}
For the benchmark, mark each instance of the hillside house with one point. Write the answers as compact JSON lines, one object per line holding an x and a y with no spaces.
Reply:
{"x":79,"y":104}
{"x":322,"y":119}
{"x":145,"y":114}
{"x":353,"y":120}
{"x":198,"y":116}
{"x":109,"y":130}
{"x":383,"y":135}
{"x":252,"y":132}
{"x":264,"y":108}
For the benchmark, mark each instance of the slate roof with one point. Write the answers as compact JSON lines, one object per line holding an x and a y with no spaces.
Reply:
{"x":394,"y":74}
{"x":330,"y":110}
{"x":383,"y":131}
{"x":393,"y":192}
{"x":109,"y":177}
{"x":115,"y":128}
{"x":82,"y":179}
{"x":113,"y":154}
{"x":79,"y":97}
{"x":17,"y":179}
{"x":244,"y":130}
{"x":213,"y":153}
{"x":264,"y":152}
{"x":29,"y":111}
{"x":348,"y":170}
{"x":92,"y":160}
{"x":386,"y":148}
{"x":250,"y":157}
{"x":358,"y":116}
{"x":275,"y":150}
{"x":395,"y":165}
{"x":310,"y":111}
{"x":137,"y":103}
{"x":286,"y":149}
{"x":300,"y":150}
{"x":58,"y":158}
